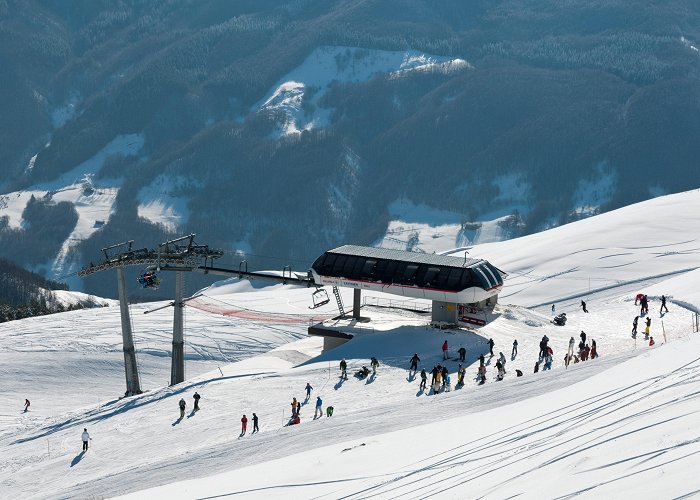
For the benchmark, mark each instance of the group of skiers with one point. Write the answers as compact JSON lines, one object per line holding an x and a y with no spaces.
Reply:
{"x":643,"y":301}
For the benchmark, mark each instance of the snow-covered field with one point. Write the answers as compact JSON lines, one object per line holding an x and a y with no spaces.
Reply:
{"x":620,"y":426}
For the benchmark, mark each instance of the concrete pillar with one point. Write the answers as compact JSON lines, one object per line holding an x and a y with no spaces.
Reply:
{"x":356,"y":303}
{"x":177,"y":369}
{"x":133,"y":385}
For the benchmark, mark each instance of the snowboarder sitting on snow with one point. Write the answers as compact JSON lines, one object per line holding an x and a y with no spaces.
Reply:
{"x":651,"y":341}
{"x":518,"y":373}
{"x":362,"y":372}
{"x":329,"y":411}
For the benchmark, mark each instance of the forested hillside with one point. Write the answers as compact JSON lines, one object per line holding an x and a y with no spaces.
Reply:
{"x":584,"y":106}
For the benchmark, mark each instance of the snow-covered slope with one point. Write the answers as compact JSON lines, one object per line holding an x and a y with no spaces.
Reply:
{"x":296,"y":97}
{"x":618,"y":426}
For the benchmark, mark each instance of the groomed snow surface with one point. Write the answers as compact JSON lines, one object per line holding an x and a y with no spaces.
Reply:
{"x":621,"y":426}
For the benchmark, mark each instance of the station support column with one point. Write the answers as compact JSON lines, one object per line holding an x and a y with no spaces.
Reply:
{"x":356,"y":302}
{"x":133,"y":384}
{"x":177,"y":370}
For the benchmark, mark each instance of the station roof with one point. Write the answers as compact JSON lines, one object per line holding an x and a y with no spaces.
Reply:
{"x":405,"y":256}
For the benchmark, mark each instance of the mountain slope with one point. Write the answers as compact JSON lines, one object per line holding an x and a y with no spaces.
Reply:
{"x":242,"y":140}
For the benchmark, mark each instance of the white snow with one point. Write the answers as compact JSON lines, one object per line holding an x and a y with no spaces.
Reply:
{"x":93,"y":201}
{"x":307,"y":83}
{"x":162,"y":201}
{"x":420,"y":228}
{"x":620,"y":426}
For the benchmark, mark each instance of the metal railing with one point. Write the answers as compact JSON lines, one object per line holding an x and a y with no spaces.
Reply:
{"x":408,"y":305}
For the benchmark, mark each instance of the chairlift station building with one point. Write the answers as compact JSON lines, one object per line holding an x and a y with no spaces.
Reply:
{"x":461,"y":289}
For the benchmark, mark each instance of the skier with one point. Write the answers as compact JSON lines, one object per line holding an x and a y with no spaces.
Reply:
{"x":481,"y":376}
{"x":663,"y":304}
{"x":572,"y":342}
{"x":462,"y":353}
{"x":514,"y":351}
{"x":86,"y":438}
{"x":548,"y":362}
{"x":196,"y":398}
{"x":646,"y":330}
{"x":444,"y":375}
{"x":502,"y":359}
{"x":329,"y":411}
{"x":182,"y":407}
{"x":543,"y":347}
{"x":553,"y":310}
{"x":583,"y":306}
{"x":491,"y":344}
{"x":255,"y":424}
{"x":651,"y":341}
{"x":308,"y":389}
{"x":460,"y":375}
{"x":594,"y":350}
{"x":374,"y":364}
{"x":481,"y":360}
{"x":585,"y":352}
{"x":414,"y":363}
{"x":644,"y":305}
{"x":298,"y":409}
{"x":319,"y":407}
{"x":244,"y":424}
{"x":433,"y":374}
{"x":447,"y":385}
{"x":634,"y":326}
{"x":444,"y":350}
{"x":583,"y":337}
{"x":26,"y":405}
{"x":343,"y":370}
{"x":423,"y":378}
{"x":499,"y":367}
{"x":438,"y":383}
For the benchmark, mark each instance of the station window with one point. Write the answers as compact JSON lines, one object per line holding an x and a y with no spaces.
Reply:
{"x":368,"y":268}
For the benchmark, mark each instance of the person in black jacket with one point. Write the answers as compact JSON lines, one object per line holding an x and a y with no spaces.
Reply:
{"x":414,"y":362}
{"x":462,"y":353}
{"x":255,"y":424}
{"x":583,"y":306}
{"x":196,"y":398}
{"x":423,"y":378}
{"x":491,"y":344}
{"x":433,"y":372}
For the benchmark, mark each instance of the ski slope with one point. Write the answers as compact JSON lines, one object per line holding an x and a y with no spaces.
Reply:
{"x":620,"y":426}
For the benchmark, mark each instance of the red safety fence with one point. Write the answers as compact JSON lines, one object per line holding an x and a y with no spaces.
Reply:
{"x":226,"y":309}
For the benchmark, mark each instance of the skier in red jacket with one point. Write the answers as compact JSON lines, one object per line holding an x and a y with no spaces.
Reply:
{"x":244,"y":423}
{"x":444,"y":350}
